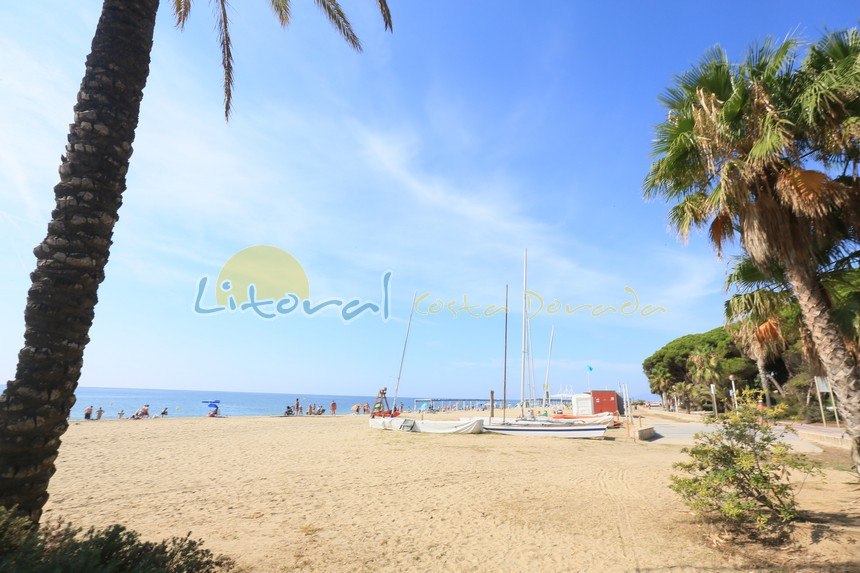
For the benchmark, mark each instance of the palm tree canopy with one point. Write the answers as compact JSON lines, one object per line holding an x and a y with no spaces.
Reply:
{"x":739,"y":150}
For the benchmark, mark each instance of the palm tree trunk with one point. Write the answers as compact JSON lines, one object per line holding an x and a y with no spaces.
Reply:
{"x":776,"y":385}
{"x":762,"y":375}
{"x":70,"y":261}
{"x":839,"y":364}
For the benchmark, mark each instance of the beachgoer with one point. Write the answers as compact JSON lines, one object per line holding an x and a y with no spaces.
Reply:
{"x":144,"y":412}
{"x":99,"y":413}
{"x":297,"y":406}
{"x":333,"y":407}
{"x":356,"y":409}
{"x":88,"y":413}
{"x":164,"y":412}
{"x":366,"y":408}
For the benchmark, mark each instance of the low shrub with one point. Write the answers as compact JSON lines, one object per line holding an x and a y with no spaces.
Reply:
{"x":61,"y":548}
{"x":738,"y":474}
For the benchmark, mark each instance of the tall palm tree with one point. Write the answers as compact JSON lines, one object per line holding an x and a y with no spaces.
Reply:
{"x":703,"y":368}
{"x":71,"y":260}
{"x":739,"y":154}
{"x":763,"y":309}
{"x":752,"y":316}
{"x":661,"y":382}
{"x":688,"y":392}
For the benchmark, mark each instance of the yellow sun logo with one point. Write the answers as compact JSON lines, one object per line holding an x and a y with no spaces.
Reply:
{"x":273,"y":272}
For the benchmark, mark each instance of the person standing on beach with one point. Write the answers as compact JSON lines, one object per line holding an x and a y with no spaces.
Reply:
{"x":333,"y":407}
{"x":99,"y":413}
{"x":297,"y":409}
{"x":88,"y":413}
{"x":366,"y":407}
{"x":120,"y":414}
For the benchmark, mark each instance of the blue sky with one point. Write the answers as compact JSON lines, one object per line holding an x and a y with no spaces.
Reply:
{"x":476,"y":130}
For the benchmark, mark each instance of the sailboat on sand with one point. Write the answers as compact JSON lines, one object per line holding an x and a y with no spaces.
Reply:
{"x":523,"y":426}
{"x":386,"y":418}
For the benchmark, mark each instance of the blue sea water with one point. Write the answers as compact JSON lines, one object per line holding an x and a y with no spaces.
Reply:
{"x":194,"y":403}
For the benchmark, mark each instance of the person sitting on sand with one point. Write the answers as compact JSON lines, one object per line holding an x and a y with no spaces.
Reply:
{"x":164,"y":412}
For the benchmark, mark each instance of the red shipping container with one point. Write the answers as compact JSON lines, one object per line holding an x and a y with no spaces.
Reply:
{"x":606,"y":401}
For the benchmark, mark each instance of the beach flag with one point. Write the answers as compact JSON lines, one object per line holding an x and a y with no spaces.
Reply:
{"x":590,"y":368}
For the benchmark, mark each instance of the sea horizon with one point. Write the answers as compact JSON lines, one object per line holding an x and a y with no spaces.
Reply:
{"x":195,"y":403}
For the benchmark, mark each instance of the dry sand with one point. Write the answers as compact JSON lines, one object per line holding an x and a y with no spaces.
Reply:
{"x":330,"y":494}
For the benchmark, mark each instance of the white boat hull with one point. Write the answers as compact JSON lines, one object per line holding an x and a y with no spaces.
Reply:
{"x":601,"y":420}
{"x":548,"y":430}
{"x":428,"y":426}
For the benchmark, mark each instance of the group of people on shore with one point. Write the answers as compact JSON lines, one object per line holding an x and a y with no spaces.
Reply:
{"x":359,"y":409}
{"x":142,"y":412}
{"x":312,"y":409}
{"x":315,"y":410}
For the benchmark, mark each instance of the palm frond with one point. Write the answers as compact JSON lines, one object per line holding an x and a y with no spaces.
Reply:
{"x":181,"y":9}
{"x":756,"y":306}
{"x":768,"y":332}
{"x":774,"y":138}
{"x":768,"y":60}
{"x":335,"y":14}
{"x":690,"y":212}
{"x":226,"y":53}
{"x":810,"y":193}
{"x":386,"y":15}
{"x":746,"y":276}
{"x":721,"y":230}
{"x":282,"y":11}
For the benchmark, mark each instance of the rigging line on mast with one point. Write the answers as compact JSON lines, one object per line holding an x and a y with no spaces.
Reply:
{"x":403,"y":355}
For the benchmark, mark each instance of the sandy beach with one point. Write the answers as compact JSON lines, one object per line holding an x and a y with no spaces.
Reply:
{"x":329,"y":494}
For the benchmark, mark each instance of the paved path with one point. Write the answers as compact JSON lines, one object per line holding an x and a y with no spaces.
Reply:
{"x":682,"y":434}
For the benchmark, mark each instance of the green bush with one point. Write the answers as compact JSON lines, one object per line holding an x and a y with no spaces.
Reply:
{"x":739,"y":473}
{"x":61,"y":548}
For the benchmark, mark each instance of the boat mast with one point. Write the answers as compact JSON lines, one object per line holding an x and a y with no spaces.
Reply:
{"x":549,"y":358}
{"x":523,"y":368}
{"x":505,"y":366}
{"x":403,"y":356}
